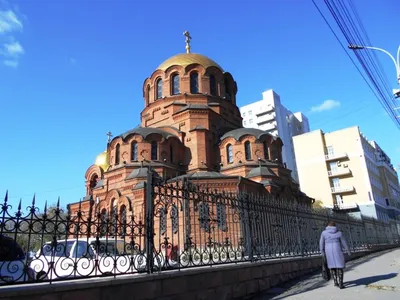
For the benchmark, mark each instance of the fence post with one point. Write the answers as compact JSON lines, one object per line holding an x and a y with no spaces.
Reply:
{"x":149,"y":222}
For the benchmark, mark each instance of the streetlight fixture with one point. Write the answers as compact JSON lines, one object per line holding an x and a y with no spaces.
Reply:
{"x":396,"y":92}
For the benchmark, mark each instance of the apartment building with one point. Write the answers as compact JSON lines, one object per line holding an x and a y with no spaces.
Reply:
{"x":346,"y":171}
{"x":270,"y":115}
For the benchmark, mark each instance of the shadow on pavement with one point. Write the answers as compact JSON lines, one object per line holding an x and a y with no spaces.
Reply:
{"x":314,"y":280}
{"x":369,"y":280}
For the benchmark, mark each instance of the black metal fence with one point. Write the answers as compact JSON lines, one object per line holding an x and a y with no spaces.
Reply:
{"x":186,"y":225}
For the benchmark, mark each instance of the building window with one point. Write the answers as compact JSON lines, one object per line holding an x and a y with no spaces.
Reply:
{"x":114,"y":218}
{"x":250,"y":113}
{"x":175,"y":84}
{"x":148,"y":94}
{"x":247,"y":150}
{"x":251,"y":121}
{"x":122,"y":221}
{"x":194,"y":82}
{"x":244,"y":114}
{"x":154,"y":151}
{"x":329,"y":150}
{"x":221,"y":216}
{"x":244,"y":123}
{"x":103,"y":222}
{"x":134,"y":151}
{"x":266,"y":154}
{"x":229,"y":153}
{"x":339,"y":199}
{"x":333,"y":166}
{"x":204,"y":216}
{"x":213,"y":86}
{"x":159,"y":89}
{"x":387,"y":201}
{"x":171,"y":154}
{"x":336,"y":182}
{"x":227,"y":90}
{"x":117,"y":154}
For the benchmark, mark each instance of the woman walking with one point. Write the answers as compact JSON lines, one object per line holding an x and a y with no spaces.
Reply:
{"x":330,"y":244}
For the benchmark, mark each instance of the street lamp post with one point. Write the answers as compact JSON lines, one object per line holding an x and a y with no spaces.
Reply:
{"x":396,"y":62}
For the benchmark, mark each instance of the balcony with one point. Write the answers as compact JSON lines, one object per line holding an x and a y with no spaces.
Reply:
{"x":334,"y":156}
{"x":345,"y":206}
{"x":269,"y":126}
{"x":266,"y":119}
{"x":340,"y":190}
{"x":266,"y":110}
{"x":339,"y":172}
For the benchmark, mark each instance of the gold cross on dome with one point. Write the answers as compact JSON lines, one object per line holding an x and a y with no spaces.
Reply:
{"x":188,"y":38}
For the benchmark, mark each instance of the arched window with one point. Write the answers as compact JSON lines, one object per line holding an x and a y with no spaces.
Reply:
{"x":117,"y":154}
{"x":159,"y":89}
{"x":213,"y":86}
{"x":103,"y":222}
{"x":122,"y":221}
{"x":93,"y":181}
{"x":134,"y":151}
{"x":171,"y":154}
{"x":229,"y":153}
{"x":114,"y":218}
{"x":266,"y":154}
{"x":194,"y":83}
{"x":227,"y":89}
{"x":247,"y":150}
{"x":154,"y":151}
{"x":175,"y":84}
{"x":148,"y":94}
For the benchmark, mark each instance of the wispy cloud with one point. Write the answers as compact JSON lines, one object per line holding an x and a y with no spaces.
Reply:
{"x":10,"y":24}
{"x":326,"y":105}
{"x":72,"y":61}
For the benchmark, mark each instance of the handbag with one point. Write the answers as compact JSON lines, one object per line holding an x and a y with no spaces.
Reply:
{"x":326,"y":274}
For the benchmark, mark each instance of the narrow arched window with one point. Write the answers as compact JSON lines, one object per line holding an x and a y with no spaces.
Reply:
{"x":134,"y":151}
{"x":117,"y":154}
{"x":227,"y":89}
{"x":266,"y":154}
{"x":229,"y":153}
{"x":171,"y":154}
{"x":159,"y":89}
{"x":247,"y":150}
{"x":213,"y":86}
{"x":194,"y":82}
{"x":122,"y":221}
{"x":175,"y":84}
{"x":147,"y":94}
{"x":154,"y":151}
{"x":103,"y":222}
{"x":93,"y":181}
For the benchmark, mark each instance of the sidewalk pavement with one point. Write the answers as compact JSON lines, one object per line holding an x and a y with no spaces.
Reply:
{"x":376,"y":276}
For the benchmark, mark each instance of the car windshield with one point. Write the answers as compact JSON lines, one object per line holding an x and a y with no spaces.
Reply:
{"x":10,"y":250}
{"x":60,"y":250}
{"x":108,"y":247}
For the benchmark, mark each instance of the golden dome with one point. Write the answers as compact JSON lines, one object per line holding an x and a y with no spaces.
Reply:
{"x":185,"y":59}
{"x":102,"y":160}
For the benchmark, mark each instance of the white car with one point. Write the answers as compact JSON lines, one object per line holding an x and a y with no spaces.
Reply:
{"x":13,"y":263}
{"x":90,"y":257}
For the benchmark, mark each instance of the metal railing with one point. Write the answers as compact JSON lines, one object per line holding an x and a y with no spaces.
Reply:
{"x":185,"y":225}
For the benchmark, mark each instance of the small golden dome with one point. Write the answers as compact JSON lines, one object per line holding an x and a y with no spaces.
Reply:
{"x":102,"y":160}
{"x":185,"y":59}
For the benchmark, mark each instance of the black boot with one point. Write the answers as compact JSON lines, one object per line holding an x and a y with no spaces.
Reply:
{"x":340,"y":275}
{"x":334,"y":277}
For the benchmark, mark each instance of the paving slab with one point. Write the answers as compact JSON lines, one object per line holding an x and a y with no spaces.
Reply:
{"x":376,"y":276}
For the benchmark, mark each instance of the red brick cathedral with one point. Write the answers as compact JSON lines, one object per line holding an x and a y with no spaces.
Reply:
{"x":190,"y":127}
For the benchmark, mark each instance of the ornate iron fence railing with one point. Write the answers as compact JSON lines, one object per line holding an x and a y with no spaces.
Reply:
{"x":185,"y":225}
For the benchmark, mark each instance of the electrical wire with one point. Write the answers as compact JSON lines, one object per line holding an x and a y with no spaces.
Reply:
{"x":350,"y":25}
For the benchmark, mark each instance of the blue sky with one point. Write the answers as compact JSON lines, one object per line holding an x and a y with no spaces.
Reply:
{"x":72,"y":70}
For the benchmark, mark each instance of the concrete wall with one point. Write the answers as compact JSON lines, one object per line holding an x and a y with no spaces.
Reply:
{"x":222,"y":282}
